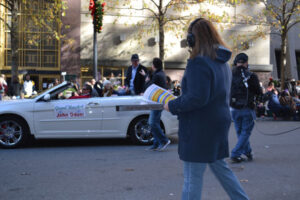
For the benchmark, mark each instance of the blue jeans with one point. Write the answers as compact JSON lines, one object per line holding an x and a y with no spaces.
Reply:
{"x":193,"y":180}
{"x":243,"y":122}
{"x":154,"y":122}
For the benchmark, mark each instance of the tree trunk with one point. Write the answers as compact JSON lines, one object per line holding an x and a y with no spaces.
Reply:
{"x":283,"y":60}
{"x":14,"y":34}
{"x":162,"y":43}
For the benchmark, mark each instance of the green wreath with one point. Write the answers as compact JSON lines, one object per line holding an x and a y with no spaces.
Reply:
{"x":98,"y":16}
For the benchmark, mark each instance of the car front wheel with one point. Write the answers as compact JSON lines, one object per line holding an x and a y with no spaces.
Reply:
{"x":140,"y":132}
{"x":13,"y":132}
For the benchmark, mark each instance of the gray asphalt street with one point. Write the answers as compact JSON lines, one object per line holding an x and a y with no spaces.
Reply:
{"x":117,"y":170}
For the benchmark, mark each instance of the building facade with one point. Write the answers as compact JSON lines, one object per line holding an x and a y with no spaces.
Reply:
{"x":39,"y":51}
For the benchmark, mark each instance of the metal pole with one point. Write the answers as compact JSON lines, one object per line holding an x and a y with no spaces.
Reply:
{"x":95,"y":53}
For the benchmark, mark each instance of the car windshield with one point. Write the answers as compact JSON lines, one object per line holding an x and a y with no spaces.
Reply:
{"x":62,"y":85}
{"x":37,"y":94}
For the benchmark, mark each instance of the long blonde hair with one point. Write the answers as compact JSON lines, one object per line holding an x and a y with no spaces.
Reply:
{"x":207,"y":38}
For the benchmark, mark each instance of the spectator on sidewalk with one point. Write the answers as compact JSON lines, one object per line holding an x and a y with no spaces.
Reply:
{"x":288,"y":103}
{"x":15,"y":90}
{"x":54,"y":83}
{"x":3,"y":86}
{"x":28,"y":86}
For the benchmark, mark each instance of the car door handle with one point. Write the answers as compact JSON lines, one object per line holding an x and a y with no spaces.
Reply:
{"x":93,"y":104}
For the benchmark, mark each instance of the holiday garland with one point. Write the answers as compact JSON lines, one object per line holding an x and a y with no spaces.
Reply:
{"x":97,"y":9}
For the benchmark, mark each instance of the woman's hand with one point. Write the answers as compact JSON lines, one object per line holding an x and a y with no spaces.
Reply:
{"x":166,"y":107}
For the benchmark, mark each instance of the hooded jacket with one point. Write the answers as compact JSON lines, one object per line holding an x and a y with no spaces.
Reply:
{"x":203,"y":109}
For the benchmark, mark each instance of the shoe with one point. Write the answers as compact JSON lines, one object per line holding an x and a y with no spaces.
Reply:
{"x":152,"y":148}
{"x":163,"y":147}
{"x":237,"y":159}
{"x":249,"y":156}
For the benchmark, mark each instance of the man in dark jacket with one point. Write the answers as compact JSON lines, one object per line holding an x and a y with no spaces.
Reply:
{"x":244,"y":88}
{"x":135,"y":77}
{"x":158,"y":78}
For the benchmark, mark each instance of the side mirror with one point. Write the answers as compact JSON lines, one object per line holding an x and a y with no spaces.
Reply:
{"x":47,"y":97}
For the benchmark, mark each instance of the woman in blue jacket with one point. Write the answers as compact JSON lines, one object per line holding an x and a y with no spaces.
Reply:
{"x":203,"y":112}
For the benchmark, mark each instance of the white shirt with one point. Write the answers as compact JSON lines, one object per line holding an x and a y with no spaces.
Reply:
{"x":28,"y":85}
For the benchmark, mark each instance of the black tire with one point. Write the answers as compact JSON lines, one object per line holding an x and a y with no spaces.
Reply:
{"x":139,"y":131}
{"x":14,"y":132}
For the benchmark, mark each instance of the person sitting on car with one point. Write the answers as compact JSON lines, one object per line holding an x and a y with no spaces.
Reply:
{"x":108,"y":89}
{"x":86,"y":93}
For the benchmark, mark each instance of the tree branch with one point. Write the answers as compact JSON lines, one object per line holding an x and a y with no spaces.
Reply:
{"x":10,"y":3}
{"x":5,"y":6}
{"x":291,"y":12}
{"x":155,"y":14}
{"x":152,"y":11}
{"x":154,"y":3}
{"x":179,"y":3}
{"x":177,"y":19}
{"x":167,"y":6}
{"x":293,"y":24}
{"x":8,"y":26}
{"x":271,"y":10}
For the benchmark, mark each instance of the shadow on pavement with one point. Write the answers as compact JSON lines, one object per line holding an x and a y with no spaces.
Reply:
{"x":86,"y":142}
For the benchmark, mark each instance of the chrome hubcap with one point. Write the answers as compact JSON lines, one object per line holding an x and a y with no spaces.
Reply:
{"x":10,"y":133}
{"x":143,"y":131}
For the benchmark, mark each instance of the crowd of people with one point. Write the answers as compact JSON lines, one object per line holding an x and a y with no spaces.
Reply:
{"x":278,"y":103}
{"x":16,"y":90}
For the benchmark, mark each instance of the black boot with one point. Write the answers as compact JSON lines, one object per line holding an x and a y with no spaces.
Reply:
{"x":249,"y":156}
{"x":237,"y":159}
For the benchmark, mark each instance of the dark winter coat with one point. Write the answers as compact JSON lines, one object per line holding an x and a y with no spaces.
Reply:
{"x":254,"y":89}
{"x":203,"y":109}
{"x":139,"y":80}
{"x":158,"y":78}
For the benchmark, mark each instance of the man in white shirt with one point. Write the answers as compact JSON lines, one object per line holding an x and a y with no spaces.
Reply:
{"x":28,"y":86}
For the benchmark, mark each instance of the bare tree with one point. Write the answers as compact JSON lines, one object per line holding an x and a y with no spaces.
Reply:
{"x":281,"y":16}
{"x":167,"y":15}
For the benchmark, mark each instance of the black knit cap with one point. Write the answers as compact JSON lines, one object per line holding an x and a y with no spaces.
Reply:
{"x":241,"y":58}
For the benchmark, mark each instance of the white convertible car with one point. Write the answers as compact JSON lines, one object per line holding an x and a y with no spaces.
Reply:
{"x":51,"y":115}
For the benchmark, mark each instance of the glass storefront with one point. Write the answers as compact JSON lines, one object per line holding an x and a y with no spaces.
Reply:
{"x":39,"y":51}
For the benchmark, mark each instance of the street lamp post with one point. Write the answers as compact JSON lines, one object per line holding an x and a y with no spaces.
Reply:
{"x":95,"y":53}
{"x":97,"y":11}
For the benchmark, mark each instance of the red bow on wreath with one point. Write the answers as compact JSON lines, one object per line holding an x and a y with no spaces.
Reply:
{"x":92,"y":7}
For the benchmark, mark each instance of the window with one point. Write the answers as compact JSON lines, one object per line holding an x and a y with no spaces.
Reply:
{"x":38,"y":47}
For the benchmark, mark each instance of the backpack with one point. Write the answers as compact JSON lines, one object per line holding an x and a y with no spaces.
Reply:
{"x":240,"y":88}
